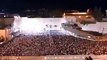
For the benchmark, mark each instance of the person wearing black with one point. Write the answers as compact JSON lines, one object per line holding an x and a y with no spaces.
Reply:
{"x":90,"y":58}
{"x":86,"y":58}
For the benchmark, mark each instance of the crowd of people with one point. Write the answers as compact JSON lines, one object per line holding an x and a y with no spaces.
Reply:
{"x":41,"y":45}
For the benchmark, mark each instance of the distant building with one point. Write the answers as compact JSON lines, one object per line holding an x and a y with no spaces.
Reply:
{"x":79,"y":17}
{"x":104,"y":19}
{"x":6,"y":21}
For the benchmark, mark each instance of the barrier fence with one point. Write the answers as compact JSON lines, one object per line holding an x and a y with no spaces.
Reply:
{"x":54,"y":57}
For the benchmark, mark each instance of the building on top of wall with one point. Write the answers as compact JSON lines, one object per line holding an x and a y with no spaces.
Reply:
{"x":104,"y":19}
{"x":6,"y":21}
{"x":79,"y":17}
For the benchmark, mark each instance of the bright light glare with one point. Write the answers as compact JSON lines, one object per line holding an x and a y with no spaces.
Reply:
{"x":64,"y":21}
{"x":79,"y":13}
{"x":31,"y":26}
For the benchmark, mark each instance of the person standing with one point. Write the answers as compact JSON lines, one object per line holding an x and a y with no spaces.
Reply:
{"x":90,"y":58}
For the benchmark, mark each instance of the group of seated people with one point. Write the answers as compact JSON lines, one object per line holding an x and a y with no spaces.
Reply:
{"x":41,"y":45}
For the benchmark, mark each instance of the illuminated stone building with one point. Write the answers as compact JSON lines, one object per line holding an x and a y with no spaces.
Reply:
{"x":79,"y":17}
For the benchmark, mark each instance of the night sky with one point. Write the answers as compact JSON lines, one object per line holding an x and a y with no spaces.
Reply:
{"x":52,"y":4}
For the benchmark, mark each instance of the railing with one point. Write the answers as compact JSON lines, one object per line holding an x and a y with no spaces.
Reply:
{"x":55,"y":57}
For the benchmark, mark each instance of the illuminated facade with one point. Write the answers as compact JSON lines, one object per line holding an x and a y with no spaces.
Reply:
{"x":34,"y":25}
{"x":6,"y":21}
{"x":78,"y":17}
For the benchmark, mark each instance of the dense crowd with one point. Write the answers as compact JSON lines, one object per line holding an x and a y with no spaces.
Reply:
{"x":33,"y":45}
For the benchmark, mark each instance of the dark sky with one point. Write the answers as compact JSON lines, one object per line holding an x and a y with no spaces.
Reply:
{"x":52,"y":4}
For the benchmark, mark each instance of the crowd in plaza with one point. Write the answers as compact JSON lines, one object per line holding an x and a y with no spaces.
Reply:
{"x":41,"y":45}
